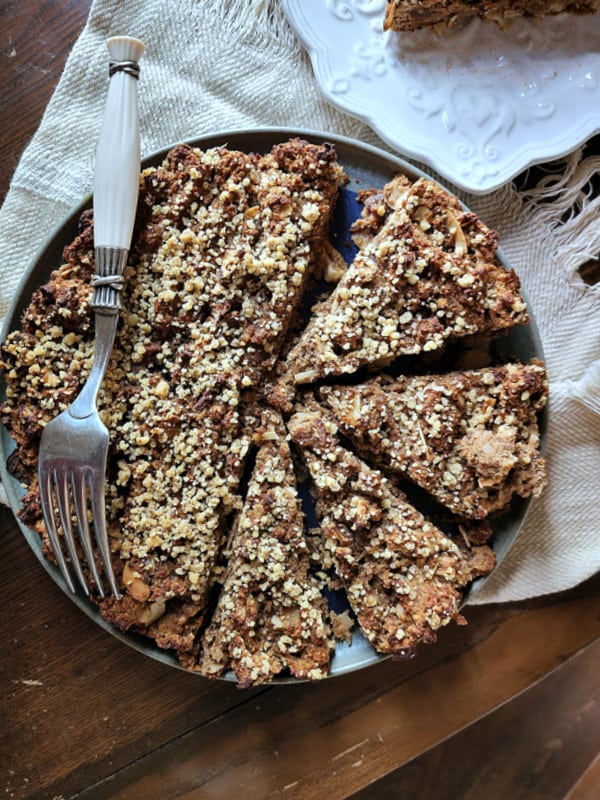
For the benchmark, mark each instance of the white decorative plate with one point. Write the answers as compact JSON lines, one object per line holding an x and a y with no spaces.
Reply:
{"x":477,"y":104}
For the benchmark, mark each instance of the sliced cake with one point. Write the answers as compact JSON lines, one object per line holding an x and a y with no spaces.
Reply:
{"x":404,"y":577}
{"x":470,"y":438}
{"x":410,"y":15}
{"x":426,"y":273}
{"x":271,"y":615}
{"x":223,"y":246}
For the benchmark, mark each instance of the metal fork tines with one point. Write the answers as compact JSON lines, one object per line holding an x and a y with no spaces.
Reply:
{"x":74,"y":446}
{"x":72,"y":466}
{"x":71,"y":473}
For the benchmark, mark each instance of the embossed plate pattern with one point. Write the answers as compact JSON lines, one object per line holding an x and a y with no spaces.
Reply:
{"x":477,"y":104}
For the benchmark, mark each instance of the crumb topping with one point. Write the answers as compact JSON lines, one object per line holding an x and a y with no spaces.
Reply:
{"x":470,"y":438}
{"x":426,"y":273}
{"x":403,"y":576}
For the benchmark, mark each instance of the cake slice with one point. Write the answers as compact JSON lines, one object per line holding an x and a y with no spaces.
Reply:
{"x":426,"y":272}
{"x":404,"y":577}
{"x":469,"y":438}
{"x":410,"y":15}
{"x":271,"y":615}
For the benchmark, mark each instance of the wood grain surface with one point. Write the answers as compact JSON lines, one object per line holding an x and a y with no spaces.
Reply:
{"x":506,"y":707}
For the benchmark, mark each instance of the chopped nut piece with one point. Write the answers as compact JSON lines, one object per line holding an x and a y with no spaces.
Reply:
{"x":342,"y":625}
{"x":133,"y":583}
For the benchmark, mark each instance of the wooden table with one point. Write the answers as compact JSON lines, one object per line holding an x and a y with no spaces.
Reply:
{"x":505,"y":707}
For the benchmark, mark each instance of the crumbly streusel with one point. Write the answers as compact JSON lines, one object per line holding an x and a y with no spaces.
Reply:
{"x":470,"y":438}
{"x":426,"y":273}
{"x":403,"y":576}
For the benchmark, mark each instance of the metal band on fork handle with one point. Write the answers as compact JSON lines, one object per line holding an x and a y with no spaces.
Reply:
{"x":130,"y":67}
{"x":108,"y":280}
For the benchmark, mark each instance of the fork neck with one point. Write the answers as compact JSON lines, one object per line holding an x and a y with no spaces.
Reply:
{"x":106,"y":302}
{"x":105,"y":329}
{"x":108,"y":280}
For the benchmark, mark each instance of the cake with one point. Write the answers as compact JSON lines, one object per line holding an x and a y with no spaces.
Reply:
{"x":426,"y":273}
{"x":225,"y":242}
{"x":411,"y":15}
{"x":402,"y":575}
{"x":271,"y":613}
{"x":469,"y":438}
{"x":217,"y":346}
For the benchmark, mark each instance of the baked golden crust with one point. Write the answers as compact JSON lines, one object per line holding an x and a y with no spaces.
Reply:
{"x":271,"y":614}
{"x":403,"y":576}
{"x":469,"y":438}
{"x":426,"y":273}
{"x":411,"y":15}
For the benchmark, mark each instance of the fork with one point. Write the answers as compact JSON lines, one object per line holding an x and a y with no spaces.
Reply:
{"x":74,"y":445}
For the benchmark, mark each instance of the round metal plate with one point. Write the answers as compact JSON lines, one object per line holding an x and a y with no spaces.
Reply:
{"x":366,"y":167}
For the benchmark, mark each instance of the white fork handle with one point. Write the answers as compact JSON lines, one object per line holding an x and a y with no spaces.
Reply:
{"x":116,"y":189}
{"x":117,"y":170}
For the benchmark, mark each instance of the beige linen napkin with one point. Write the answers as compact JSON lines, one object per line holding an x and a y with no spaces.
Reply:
{"x":226,"y":64}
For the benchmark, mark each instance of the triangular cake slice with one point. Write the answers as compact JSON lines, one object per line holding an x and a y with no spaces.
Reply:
{"x":427,"y":273}
{"x":403,"y":576}
{"x":470,"y":439}
{"x":271,"y":614}
{"x":234,"y":264}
